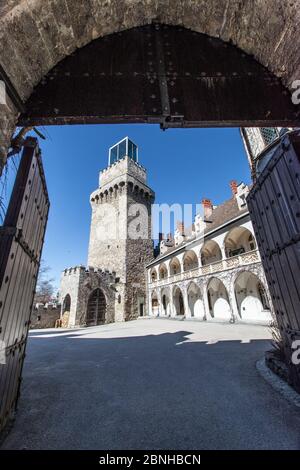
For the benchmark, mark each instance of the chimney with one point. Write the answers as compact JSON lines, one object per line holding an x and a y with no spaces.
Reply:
{"x":234,"y":187}
{"x":207,"y":208}
{"x":160,"y":237}
{"x":180,"y":227}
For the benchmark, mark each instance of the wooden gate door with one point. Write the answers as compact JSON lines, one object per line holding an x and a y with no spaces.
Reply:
{"x":274,"y":205}
{"x":21,"y":242}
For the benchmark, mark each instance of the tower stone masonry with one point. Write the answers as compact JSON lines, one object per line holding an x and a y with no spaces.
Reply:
{"x":120,"y":242}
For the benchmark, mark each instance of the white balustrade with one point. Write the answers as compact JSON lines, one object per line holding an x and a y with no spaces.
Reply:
{"x":229,"y":263}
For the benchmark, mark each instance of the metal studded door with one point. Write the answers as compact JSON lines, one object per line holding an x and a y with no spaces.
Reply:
{"x":21,"y":241}
{"x":274,"y":205}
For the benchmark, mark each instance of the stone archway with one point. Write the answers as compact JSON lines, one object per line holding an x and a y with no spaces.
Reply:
{"x":251,"y":298}
{"x":195,"y":301}
{"x":56,"y":30}
{"x":96,"y":308}
{"x":153,"y":275}
{"x":239,"y":240}
{"x":190,"y":261}
{"x":45,"y":33}
{"x":175,"y":267}
{"x":210,"y":252}
{"x":66,"y":309}
{"x":165,"y":302}
{"x":66,"y":304}
{"x":178,"y":302}
{"x":162,"y":271}
{"x":218,"y":300}
{"x":154,"y":304}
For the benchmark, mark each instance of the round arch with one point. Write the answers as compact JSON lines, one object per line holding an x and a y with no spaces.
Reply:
{"x":166,"y":302}
{"x":190,"y":261}
{"x":175,"y":267}
{"x":153,"y":274}
{"x":80,"y":24}
{"x":66,"y":304}
{"x":195,"y":301}
{"x":178,"y":302}
{"x":251,"y":297}
{"x":163,"y":271}
{"x":96,"y":308}
{"x":218,"y":300}
{"x":55,"y":35}
{"x":210,"y":252}
{"x":154,"y":304}
{"x":239,"y":240}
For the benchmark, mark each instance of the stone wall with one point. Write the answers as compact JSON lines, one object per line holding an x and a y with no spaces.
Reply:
{"x":139,"y":252}
{"x":121,"y":168}
{"x":70,"y":280}
{"x":37,"y":34}
{"x":43,"y":317}
{"x":79,"y":283}
{"x":114,"y":214}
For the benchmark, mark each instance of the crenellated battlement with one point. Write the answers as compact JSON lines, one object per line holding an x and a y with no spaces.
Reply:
{"x":88,"y":271}
{"x":126,"y":166}
{"x":128,"y":186}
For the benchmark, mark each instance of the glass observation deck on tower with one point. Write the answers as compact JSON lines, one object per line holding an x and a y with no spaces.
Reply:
{"x":124,"y":148}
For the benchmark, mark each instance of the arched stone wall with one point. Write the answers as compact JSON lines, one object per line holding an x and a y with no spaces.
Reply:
{"x":35,"y":35}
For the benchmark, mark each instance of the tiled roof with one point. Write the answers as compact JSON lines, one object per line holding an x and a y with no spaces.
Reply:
{"x":223,"y":213}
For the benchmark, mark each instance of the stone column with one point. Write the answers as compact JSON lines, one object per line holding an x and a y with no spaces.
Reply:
{"x":180,"y":259}
{"x":205,"y":301}
{"x":167,"y":263}
{"x":233,"y":304}
{"x":187,"y":311}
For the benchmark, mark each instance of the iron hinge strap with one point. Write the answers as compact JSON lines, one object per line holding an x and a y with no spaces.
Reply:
{"x":18,"y":234}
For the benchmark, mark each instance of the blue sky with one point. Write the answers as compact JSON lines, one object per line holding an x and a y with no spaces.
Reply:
{"x":184,"y":165}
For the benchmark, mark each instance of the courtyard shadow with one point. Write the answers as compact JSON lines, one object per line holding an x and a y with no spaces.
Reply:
{"x":152,"y":391}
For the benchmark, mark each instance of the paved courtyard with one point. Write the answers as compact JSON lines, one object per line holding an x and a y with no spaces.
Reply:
{"x":151,"y":384}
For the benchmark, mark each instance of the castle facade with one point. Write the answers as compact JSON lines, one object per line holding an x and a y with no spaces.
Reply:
{"x":210,"y":271}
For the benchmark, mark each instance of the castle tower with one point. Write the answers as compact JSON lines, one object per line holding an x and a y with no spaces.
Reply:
{"x":120,"y":235}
